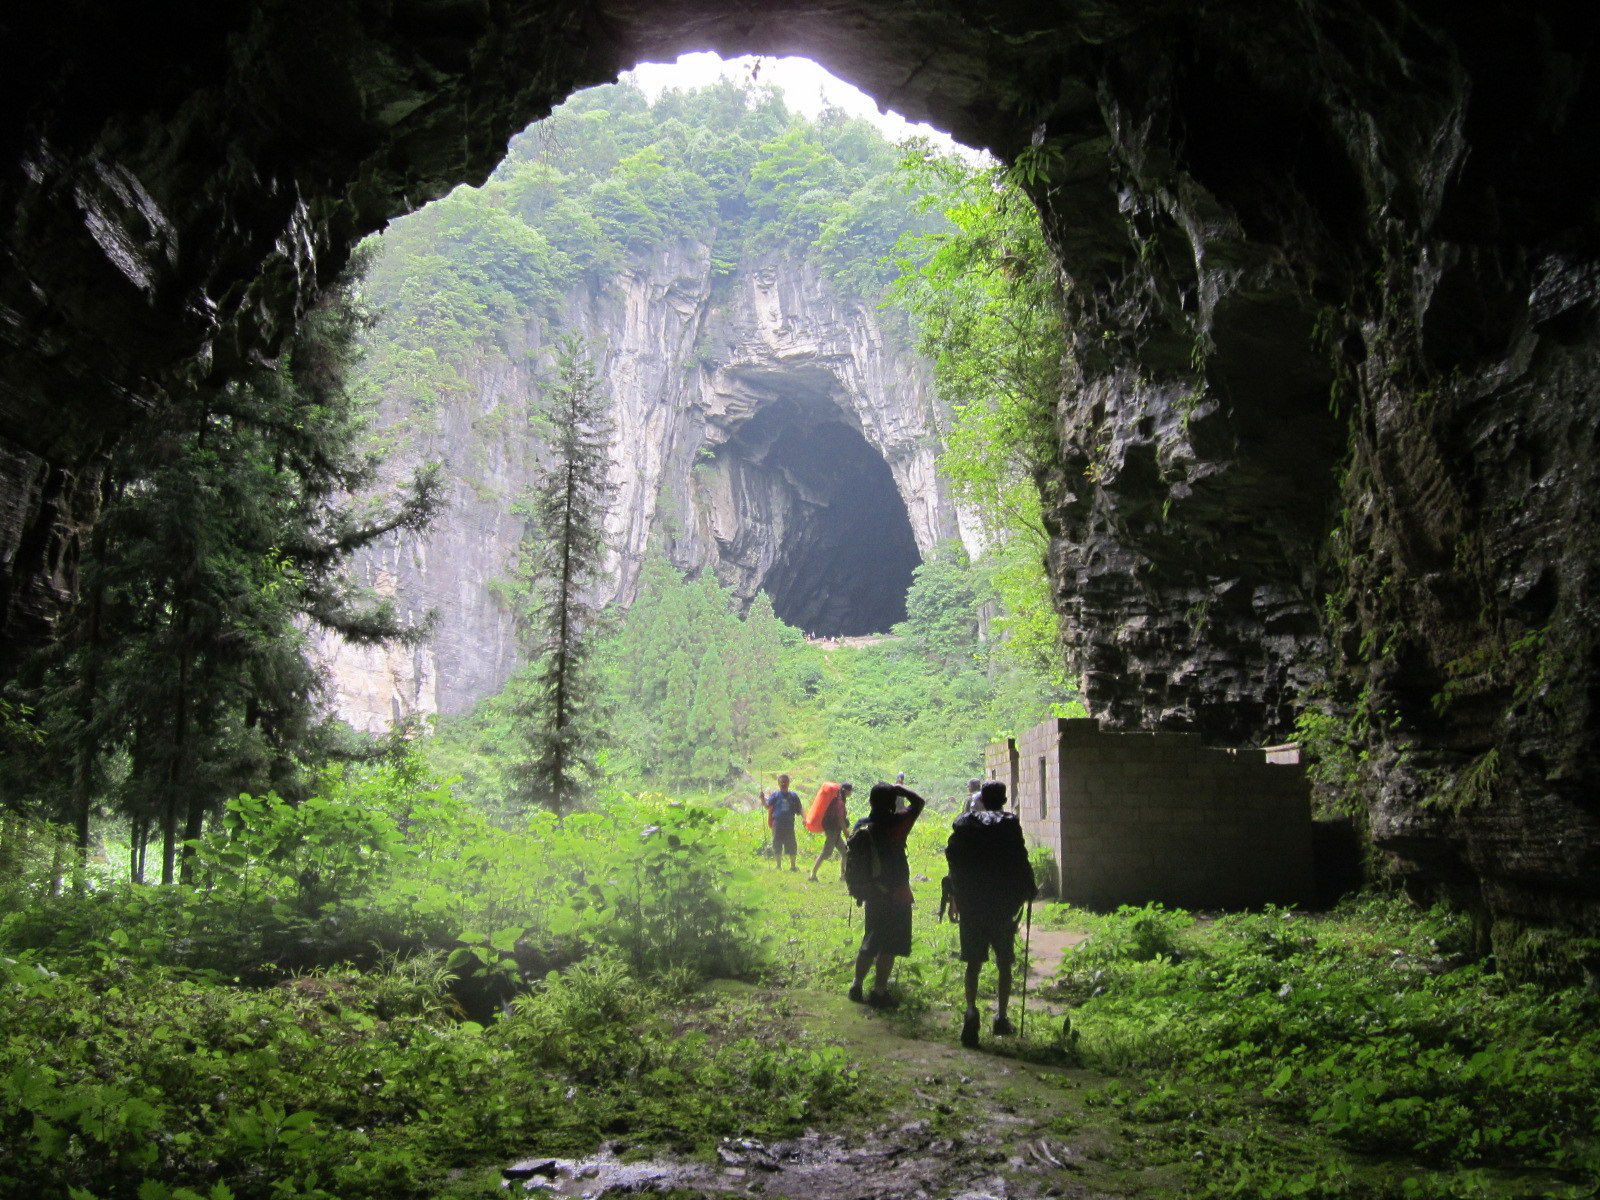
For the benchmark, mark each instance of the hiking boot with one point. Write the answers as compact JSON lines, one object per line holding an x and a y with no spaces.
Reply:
{"x":969,"y":1031}
{"x":855,"y":992}
{"x":1003,"y":1027}
{"x":881,"y":1000}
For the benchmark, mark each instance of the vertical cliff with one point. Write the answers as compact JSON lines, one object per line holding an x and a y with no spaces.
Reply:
{"x":767,"y":428}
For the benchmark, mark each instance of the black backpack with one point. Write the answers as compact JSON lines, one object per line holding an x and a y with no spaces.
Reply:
{"x":862,"y":865}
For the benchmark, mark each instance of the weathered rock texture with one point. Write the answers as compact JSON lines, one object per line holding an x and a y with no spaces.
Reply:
{"x":765,"y":428}
{"x":1333,"y":265}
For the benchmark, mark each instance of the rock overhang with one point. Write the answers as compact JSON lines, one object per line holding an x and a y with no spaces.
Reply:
{"x":1412,"y":168}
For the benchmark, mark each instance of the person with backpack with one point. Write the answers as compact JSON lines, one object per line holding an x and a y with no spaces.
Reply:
{"x":783,"y":806}
{"x":835,"y":820}
{"x":992,"y":879}
{"x":878,"y":877}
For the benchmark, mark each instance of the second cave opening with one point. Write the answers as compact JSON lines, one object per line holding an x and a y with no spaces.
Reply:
{"x":844,"y":549}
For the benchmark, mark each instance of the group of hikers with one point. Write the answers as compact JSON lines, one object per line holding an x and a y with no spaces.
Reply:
{"x":990,"y":880}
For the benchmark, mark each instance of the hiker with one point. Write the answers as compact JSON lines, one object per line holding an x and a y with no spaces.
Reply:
{"x":834,"y":822}
{"x":879,"y":878}
{"x":783,"y":806}
{"x":992,"y":879}
{"x":974,"y":803}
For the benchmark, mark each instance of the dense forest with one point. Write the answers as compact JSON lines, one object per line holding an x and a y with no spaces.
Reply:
{"x":389,"y":966}
{"x":610,"y":177}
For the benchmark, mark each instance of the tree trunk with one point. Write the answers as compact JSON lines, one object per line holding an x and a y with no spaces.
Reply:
{"x":58,"y":846}
{"x":175,"y":771}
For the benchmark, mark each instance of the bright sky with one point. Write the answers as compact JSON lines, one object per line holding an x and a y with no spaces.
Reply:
{"x":806,"y":87}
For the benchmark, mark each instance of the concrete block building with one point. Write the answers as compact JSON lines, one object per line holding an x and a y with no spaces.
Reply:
{"x":1139,"y":817}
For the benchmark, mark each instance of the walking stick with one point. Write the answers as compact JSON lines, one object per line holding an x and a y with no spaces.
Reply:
{"x":1027,"y":940}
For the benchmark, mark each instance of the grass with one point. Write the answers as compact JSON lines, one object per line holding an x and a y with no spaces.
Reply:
{"x":1272,"y":1055}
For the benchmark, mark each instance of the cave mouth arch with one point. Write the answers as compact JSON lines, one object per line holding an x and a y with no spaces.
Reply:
{"x":844,"y":551}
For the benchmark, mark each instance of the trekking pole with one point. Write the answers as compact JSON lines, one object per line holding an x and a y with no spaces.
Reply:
{"x":1027,"y":966}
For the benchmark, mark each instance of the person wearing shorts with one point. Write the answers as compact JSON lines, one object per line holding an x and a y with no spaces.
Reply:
{"x":783,"y":806}
{"x":834,"y":822}
{"x":888,"y":907}
{"x":992,"y":879}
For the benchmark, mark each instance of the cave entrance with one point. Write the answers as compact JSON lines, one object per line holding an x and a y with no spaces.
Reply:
{"x":843,"y":551}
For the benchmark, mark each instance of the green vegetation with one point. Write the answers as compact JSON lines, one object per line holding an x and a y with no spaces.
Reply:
{"x":1358,"y":1055}
{"x":376,"y":993}
{"x":702,"y":697}
{"x":555,"y":699}
{"x":988,"y":313}
{"x":179,"y":675}
{"x":607,"y":178}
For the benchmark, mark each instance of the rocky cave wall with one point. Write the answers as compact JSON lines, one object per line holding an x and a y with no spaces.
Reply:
{"x":1330,"y":440}
{"x":1330,"y":429}
{"x":756,"y":420}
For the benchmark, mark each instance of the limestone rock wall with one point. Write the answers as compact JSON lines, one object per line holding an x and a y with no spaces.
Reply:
{"x":687,"y":364}
{"x":1330,"y":440}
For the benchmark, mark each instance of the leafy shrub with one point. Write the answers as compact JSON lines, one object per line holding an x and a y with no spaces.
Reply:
{"x":1357,"y":1027}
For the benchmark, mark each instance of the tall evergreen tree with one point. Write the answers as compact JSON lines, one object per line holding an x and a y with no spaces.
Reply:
{"x":224,"y":532}
{"x":559,"y":708}
{"x":677,"y":748}
{"x":711,"y":720}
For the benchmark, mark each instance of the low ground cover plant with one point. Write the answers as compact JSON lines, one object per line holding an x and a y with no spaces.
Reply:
{"x":1260,"y":1044}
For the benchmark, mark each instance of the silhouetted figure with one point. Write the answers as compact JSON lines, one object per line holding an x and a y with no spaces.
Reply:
{"x":879,"y":878}
{"x":992,"y":879}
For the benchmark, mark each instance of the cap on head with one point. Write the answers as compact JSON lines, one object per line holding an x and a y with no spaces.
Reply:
{"x":881,"y":799}
{"x":993,"y":794}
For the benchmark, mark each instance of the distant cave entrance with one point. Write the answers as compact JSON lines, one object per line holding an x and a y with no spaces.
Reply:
{"x":845,"y":552}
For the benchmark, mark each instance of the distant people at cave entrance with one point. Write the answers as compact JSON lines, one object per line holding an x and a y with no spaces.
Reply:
{"x":992,"y":879}
{"x":974,"y":796}
{"x":783,"y":806}
{"x":878,"y":876}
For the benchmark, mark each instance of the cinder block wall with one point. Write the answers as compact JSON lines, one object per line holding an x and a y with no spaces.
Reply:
{"x":1133,"y":818}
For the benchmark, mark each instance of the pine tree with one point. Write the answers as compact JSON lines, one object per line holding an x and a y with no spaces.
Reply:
{"x":224,"y":530}
{"x":711,"y":721}
{"x":672,"y":718}
{"x":560,"y":712}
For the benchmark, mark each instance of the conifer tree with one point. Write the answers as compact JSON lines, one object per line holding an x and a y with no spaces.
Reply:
{"x":711,"y":720}
{"x":559,"y":710}
{"x":677,"y":749}
{"x":224,"y":531}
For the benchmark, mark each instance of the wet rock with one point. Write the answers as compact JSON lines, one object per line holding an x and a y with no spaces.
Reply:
{"x":529,"y":1168}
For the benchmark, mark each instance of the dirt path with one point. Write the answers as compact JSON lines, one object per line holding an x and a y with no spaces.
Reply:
{"x":959,"y":1125}
{"x":1045,"y":950}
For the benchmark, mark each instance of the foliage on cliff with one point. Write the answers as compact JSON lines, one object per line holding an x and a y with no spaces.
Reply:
{"x":701,"y":696}
{"x":608,"y":177}
{"x":986,"y":306}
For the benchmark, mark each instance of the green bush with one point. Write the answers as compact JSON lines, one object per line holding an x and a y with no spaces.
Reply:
{"x":1359,"y":1027}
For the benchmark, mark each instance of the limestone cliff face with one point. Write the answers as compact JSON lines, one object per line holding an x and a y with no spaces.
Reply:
{"x":759,"y":420}
{"x":1330,"y":443}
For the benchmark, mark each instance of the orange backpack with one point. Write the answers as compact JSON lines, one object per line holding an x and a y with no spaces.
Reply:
{"x":826,"y":795}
